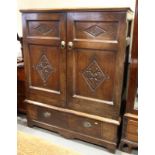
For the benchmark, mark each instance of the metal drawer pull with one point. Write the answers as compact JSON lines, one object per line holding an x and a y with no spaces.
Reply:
{"x":70,"y":45}
{"x":87,"y":124}
{"x":47,"y":114}
{"x":63,"y":44}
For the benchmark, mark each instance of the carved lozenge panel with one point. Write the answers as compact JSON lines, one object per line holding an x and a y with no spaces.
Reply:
{"x":44,"y":68}
{"x":93,"y":75}
{"x":96,"y":30}
{"x":43,"y":28}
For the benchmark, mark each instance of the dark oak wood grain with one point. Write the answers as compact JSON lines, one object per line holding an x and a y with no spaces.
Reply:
{"x":44,"y":59}
{"x":130,"y":118}
{"x":47,"y":10}
{"x":21,"y":105}
{"x":93,"y":73}
{"x":74,"y":65}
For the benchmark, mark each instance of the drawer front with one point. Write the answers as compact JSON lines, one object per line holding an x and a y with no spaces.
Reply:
{"x":85,"y":126}
{"x":49,"y":116}
{"x":132,"y":137}
{"x":132,"y":130}
{"x":132,"y":127}
{"x":69,"y":121}
{"x":79,"y":124}
{"x":109,"y":132}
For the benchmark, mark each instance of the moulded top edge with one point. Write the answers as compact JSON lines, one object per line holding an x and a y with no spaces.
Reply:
{"x":35,"y":10}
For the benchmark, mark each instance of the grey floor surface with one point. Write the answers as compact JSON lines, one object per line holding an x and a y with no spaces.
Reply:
{"x":80,"y":146}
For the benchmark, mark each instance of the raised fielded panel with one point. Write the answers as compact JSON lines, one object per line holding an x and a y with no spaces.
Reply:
{"x":45,"y":60}
{"x":95,"y":63}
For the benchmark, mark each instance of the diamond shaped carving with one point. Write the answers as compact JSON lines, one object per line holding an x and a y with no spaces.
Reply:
{"x":93,"y":75}
{"x":95,"y":30}
{"x":44,"y":68}
{"x":43,"y":29}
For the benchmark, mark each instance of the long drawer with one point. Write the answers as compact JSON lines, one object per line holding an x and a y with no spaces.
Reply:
{"x":79,"y":124}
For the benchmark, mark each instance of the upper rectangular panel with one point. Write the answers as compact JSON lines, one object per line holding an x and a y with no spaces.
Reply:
{"x":44,"y":25}
{"x":98,"y":30}
{"x":43,"y":28}
{"x":95,"y":27}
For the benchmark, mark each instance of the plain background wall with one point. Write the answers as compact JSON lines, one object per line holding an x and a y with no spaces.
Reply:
{"x":29,"y":4}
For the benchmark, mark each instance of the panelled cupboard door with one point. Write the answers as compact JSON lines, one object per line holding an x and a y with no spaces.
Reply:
{"x":45,"y":59}
{"x":95,"y":61}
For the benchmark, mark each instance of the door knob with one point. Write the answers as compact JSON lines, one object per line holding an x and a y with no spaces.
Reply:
{"x":70,"y":45}
{"x":63,"y":44}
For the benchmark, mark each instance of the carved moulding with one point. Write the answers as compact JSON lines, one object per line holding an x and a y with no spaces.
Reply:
{"x":44,"y":67}
{"x":95,"y":30}
{"x":43,"y":29}
{"x":93,"y":75}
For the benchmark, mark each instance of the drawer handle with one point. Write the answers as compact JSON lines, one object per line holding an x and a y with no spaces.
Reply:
{"x":47,"y":114}
{"x":87,"y":124}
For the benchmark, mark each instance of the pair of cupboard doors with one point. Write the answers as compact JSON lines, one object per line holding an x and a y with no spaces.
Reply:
{"x":75,"y":59}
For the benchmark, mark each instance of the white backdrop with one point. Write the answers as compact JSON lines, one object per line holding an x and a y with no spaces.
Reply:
{"x":29,"y":4}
